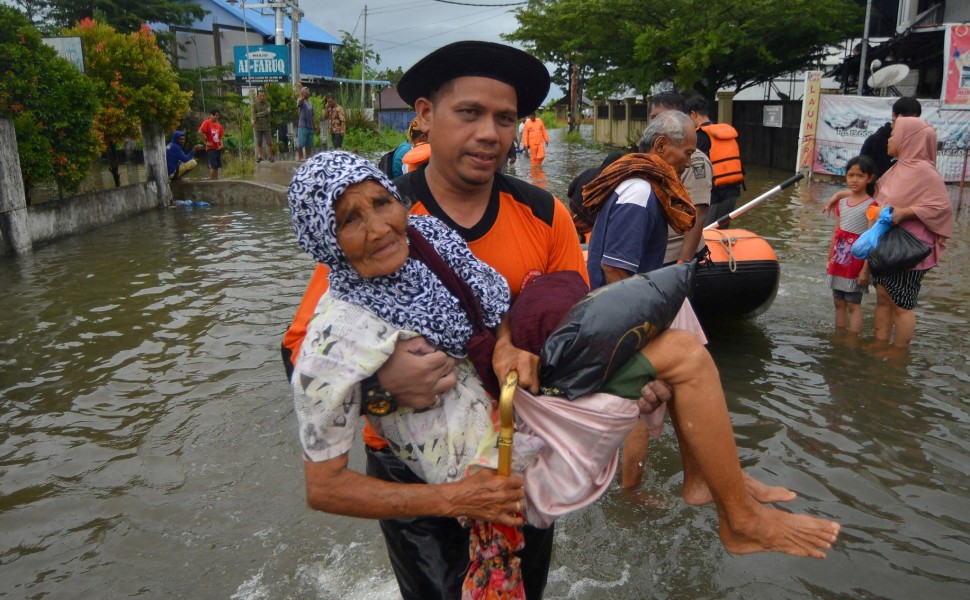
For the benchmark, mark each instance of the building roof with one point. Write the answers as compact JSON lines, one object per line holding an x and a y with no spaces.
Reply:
{"x":263,"y":21}
{"x":391,"y":100}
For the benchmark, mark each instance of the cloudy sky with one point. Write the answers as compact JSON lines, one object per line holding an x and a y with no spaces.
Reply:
{"x":402,"y":31}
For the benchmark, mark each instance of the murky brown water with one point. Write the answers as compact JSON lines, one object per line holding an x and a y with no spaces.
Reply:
{"x":147,"y":444}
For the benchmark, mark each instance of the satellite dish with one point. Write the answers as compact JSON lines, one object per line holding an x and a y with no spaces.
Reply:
{"x":888,"y":76}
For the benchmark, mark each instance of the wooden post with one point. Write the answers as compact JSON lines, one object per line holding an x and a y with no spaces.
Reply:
{"x":963,"y":177}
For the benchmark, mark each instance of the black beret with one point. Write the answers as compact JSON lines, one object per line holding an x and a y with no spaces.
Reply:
{"x":509,"y":65}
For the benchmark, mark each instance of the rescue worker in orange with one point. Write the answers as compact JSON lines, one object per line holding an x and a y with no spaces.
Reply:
{"x":535,"y":138}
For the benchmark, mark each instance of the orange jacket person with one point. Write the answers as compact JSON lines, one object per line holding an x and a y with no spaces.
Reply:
{"x":535,"y":138}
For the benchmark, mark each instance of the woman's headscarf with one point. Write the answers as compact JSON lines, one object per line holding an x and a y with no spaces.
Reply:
{"x":913,"y":182}
{"x":412,"y":298}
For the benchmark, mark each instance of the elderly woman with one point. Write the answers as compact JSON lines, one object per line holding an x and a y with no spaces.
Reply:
{"x":922,"y":206}
{"x":347,"y":215}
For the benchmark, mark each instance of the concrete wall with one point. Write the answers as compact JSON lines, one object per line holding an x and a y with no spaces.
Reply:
{"x":618,"y":123}
{"x":51,"y":220}
{"x":225,"y":191}
{"x":56,"y":219}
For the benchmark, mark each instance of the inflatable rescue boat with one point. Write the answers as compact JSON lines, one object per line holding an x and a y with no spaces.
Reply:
{"x":738,"y":279}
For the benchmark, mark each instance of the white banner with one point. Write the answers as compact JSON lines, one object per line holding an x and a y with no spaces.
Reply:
{"x":845,"y":122}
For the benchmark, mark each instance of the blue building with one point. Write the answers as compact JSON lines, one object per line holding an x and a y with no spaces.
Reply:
{"x":210,"y":41}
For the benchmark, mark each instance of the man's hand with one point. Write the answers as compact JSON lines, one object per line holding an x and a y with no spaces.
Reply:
{"x":416,"y":373}
{"x":653,"y":394}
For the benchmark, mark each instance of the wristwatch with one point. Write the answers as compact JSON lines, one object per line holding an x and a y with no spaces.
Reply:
{"x":375,"y":400}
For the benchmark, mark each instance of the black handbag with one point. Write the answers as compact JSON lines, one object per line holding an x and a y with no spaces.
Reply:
{"x":898,"y":250}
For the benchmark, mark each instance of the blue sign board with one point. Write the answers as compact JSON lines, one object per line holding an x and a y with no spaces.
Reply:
{"x":261,"y":64}
{"x":68,"y":48}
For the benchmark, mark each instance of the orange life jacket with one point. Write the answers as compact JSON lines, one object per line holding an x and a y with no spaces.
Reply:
{"x":725,"y":154}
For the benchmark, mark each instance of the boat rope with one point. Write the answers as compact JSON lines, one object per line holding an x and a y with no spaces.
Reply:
{"x":728,"y":242}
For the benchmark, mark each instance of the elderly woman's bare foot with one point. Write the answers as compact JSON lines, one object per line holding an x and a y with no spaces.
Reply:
{"x":771,"y":530}
{"x":697,"y":493}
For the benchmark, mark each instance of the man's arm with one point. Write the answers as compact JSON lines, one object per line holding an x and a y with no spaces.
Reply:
{"x":692,"y":239}
{"x":565,"y":253}
{"x":614,"y":274}
{"x":416,"y":373}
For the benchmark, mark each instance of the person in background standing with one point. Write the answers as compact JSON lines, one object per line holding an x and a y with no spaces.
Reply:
{"x":261,"y":126}
{"x":535,"y":138}
{"x":212,"y":131}
{"x":415,"y":136}
{"x":697,"y":180}
{"x":719,"y":141}
{"x":305,"y":126}
{"x":847,"y":275}
{"x":338,"y":122}
{"x":876,"y":145}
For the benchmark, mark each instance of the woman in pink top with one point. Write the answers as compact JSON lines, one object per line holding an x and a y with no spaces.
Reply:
{"x":922,"y":206}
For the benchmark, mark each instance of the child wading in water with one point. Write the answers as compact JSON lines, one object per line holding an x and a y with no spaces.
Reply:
{"x":847,"y":275}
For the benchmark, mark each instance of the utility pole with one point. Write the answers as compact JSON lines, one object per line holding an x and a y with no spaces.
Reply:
{"x":363,"y":62}
{"x":864,"y":51}
{"x":198,"y":65}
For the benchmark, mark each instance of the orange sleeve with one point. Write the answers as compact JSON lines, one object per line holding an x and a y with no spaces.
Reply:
{"x":293,"y":338}
{"x":565,"y":253}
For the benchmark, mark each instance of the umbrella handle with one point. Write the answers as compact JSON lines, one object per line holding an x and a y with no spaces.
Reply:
{"x":506,"y":424}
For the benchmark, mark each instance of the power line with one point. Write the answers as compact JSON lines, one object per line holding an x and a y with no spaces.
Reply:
{"x":485,"y":5}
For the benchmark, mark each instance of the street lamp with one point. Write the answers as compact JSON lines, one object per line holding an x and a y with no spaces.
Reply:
{"x":198,"y":65}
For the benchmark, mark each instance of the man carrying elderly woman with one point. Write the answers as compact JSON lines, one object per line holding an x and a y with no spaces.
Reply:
{"x":347,"y":214}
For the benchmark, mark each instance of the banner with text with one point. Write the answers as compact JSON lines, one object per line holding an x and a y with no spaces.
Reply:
{"x":262,"y":64}
{"x":846,"y":121}
{"x":809,"y":122}
{"x":956,"y":70}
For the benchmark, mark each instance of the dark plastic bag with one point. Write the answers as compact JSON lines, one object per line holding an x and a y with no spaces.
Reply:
{"x":604,"y":330}
{"x":898,"y":250}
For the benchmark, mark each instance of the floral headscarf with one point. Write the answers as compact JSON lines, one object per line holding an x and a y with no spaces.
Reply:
{"x":412,"y":298}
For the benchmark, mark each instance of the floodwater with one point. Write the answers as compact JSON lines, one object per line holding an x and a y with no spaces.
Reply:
{"x":148,"y":447}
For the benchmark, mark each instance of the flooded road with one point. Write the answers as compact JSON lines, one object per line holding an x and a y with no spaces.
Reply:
{"x":148,"y":447}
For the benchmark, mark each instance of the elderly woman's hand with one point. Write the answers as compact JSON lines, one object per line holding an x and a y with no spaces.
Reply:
{"x":416,"y":373}
{"x":486,"y":496}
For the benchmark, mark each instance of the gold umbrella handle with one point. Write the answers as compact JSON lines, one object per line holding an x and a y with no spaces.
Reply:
{"x":506,"y":423}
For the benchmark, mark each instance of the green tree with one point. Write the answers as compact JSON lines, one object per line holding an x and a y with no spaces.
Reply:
{"x":51,"y":104}
{"x":124,"y":15}
{"x":393,"y":75}
{"x":347,"y":59}
{"x":282,"y":98}
{"x":701,"y":44}
{"x":134,"y":81}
